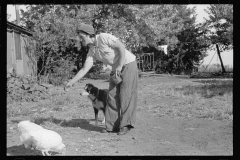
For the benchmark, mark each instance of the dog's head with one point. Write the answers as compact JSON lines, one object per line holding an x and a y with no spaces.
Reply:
{"x":91,"y":91}
{"x":89,"y":88}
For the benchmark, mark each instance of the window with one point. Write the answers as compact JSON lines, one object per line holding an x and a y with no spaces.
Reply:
{"x":17,"y":46}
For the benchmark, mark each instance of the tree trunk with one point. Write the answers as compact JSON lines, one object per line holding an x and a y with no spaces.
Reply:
{"x":46,"y":66}
{"x":219,"y":55}
{"x":46,"y":70}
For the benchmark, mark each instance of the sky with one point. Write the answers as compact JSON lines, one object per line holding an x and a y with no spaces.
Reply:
{"x":201,"y":14}
{"x":227,"y":56}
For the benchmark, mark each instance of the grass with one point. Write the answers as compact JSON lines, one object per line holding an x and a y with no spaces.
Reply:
{"x":209,"y":99}
{"x":181,"y":98}
{"x":211,"y":88}
{"x":55,"y":103}
{"x":173,"y":97}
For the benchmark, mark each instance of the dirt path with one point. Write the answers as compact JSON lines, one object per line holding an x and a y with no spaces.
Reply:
{"x":153,"y":134}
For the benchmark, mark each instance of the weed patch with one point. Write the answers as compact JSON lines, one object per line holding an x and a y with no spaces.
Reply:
{"x":209,"y":99}
{"x":209,"y":89}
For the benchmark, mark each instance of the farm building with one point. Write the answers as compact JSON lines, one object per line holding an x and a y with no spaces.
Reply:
{"x":20,"y":51}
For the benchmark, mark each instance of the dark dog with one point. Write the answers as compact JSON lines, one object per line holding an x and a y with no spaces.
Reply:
{"x":98,"y":98}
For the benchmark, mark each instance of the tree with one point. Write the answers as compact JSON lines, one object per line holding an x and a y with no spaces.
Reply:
{"x":220,"y":25}
{"x":138,"y":26}
{"x":193,"y":42}
{"x":190,"y":45}
{"x":54,"y":30}
{"x":155,"y":23}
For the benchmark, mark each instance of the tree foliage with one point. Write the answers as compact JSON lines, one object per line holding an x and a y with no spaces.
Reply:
{"x":139,"y":27}
{"x":192,"y":41}
{"x":54,"y":30}
{"x":220,"y":24}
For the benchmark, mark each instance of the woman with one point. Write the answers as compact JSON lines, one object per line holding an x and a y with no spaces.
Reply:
{"x":120,"y":114}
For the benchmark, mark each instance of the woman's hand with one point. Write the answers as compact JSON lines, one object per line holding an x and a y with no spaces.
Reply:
{"x":69,"y":84}
{"x":118,"y":71}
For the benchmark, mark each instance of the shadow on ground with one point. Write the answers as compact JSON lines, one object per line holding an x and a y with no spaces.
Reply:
{"x":16,"y":121}
{"x":81,"y":123}
{"x":20,"y":150}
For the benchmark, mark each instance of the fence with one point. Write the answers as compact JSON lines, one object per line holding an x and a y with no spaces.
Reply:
{"x":145,"y":62}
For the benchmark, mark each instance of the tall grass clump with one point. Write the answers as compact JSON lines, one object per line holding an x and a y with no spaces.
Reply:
{"x":209,"y":88}
{"x":211,"y":99}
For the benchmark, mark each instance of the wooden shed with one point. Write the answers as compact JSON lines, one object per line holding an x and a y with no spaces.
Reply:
{"x":20,"y":50}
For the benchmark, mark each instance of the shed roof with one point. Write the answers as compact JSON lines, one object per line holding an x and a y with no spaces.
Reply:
{"x":18,"y":28}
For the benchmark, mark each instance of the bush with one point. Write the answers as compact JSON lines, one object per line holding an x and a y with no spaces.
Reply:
{"x":60,"y":72}
{"x":24,"y":88}
{"x":97,"y":67}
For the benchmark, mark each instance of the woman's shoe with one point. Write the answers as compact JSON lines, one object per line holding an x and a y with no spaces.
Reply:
{"x":123,"y":131}
{"x":106,"y":131}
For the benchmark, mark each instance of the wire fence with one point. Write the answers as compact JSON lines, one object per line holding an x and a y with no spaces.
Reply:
{"x":214,"y":68}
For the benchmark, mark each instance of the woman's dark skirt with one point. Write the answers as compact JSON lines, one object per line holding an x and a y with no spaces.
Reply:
{"x":122,"y":99}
